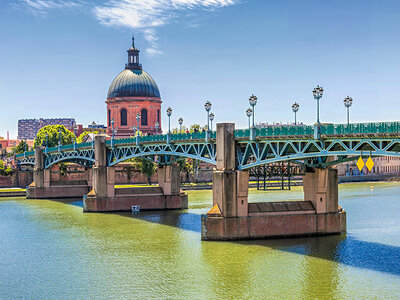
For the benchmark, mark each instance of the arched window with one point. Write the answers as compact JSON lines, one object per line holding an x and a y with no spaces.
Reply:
{"x":158,"y":116}
{"x":143,"y":117}
{"x":109,"y":117}
{"x":124,"y":117}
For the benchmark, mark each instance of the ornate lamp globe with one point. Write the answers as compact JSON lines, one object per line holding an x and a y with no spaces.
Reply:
{"x":253,"y":100}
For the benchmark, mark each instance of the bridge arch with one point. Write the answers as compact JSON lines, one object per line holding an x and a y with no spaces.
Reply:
{"x":155,"y":153}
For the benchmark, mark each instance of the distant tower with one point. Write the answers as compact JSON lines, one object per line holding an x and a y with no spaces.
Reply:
{"x":133,"y":91}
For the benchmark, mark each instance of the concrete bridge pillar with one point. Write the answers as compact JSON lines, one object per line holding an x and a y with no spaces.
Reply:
{"x":42,"y":186}
{"x":230,"y":187}
{"x":41,"y":176}
{"x":320,"y":186}
{"x":169,"y":179}
{"x":103,"y":176}
{"x":105,"y":197}
{"x":233,"y":218}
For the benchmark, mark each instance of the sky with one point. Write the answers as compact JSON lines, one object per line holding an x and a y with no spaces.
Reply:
{"x":58,"y":58}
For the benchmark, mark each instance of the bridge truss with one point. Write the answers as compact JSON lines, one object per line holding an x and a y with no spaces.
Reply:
{"x":313,"y":152}
{"x":249,"y":153}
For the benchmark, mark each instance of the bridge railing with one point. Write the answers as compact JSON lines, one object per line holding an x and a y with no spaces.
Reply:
{"x":277,"y":131}
{"x":361,"y":128}
{"x":273,"y":131}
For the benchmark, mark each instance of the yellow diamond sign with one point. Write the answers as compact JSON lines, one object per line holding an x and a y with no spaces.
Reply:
{"x":369,"y":164}
{"x":360,"y":164}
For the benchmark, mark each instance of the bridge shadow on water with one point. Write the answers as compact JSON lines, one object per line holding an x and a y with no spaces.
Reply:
{"x":345,"y":249}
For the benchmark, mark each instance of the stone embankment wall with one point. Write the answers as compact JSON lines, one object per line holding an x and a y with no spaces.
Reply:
{"x":18,"y":179}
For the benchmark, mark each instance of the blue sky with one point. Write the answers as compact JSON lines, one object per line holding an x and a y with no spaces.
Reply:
{"x":58,"y":57}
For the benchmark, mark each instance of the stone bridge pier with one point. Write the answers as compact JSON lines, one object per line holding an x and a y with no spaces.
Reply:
{"x":104,"y":197}
{"x":44,"y":187}
{"x":233,"y":218}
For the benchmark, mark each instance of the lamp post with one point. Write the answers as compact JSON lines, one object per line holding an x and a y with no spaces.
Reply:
{"x":317,"y":93}
{"x":211,"y":120}
{"x":59,"y":137}
{"x":295,"y":108}
{"x":93,"y":124}
{"x":157,"y":125}
{"x":253,"y":102}
{"x":180,"y":121}
{"x":249,"y":112}
{"x":207,"y":106}
{"x":348,"y":101}
{"x":112,"y":132}
{"x":138,"y":119}
{"x":47,"y":141}
{"x":169,"y":113}
{"x":59,"y":140}
{"x":75,"y":138}
{"x":115,"y":131}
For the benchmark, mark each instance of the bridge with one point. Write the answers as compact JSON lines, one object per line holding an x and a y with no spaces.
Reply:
{"x":233,"y":152}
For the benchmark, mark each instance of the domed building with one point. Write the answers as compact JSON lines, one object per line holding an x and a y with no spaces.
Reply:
{"x":133,"y":93}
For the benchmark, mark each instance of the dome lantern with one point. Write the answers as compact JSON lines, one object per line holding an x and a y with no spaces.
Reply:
{"x":133,"y":57}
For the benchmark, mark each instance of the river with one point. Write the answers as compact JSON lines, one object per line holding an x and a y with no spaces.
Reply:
{"x":50,"y":249}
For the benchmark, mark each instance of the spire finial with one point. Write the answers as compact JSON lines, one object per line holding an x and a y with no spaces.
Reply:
{"x":133,"y":41}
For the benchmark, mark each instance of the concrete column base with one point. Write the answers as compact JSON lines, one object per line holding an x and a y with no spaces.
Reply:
{"x":54,"y":192}
{"x":148,"y":198}
{"x":273,"y":224}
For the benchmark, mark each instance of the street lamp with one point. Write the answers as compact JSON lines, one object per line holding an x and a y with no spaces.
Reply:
{"x":112,"y":132}
{"x":348,"y":101}
{"x":253,"y":102}
{"x":317,"y":93}
{"x":93,"y":124}
{"x":59,"y":137}
{"x":295,"y":108}
{"x":180,"y":121}
{"x":249,"y":112}
{"x":211,"y":120}
{"x":169,"y":113}
{"x":137,"y":119}
{"x":47,"y":141}
{"x":207,"y":106}
{"x":157,"y":125}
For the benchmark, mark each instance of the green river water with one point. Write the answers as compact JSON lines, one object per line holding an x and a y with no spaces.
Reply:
{"x":51,"y":250}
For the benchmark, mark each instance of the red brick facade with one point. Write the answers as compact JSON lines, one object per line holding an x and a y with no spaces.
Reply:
{"x":134,"y":105}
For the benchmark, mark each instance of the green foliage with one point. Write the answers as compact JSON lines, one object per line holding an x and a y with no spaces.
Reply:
{"x":147,"y":167}
{"x":194,"y":127}
{"x":5,"y":170}
{"x":63,"y":168}
{"x":129,"y":171}
{"x":189,"y":166}
{"x":83,"y":138}
{"x":67,"y":137}
{"x":21,"y":147}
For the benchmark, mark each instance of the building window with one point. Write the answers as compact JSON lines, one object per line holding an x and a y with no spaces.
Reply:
{"x":143,"y":117}
{"x":124,"y":117}
{"x":158,"y":116}
{"x":109,"y":117}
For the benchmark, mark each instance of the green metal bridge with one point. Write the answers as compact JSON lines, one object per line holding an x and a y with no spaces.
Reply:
{"x":310,"y":145}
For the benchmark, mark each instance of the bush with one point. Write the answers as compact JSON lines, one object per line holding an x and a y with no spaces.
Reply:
{"x":5,"y":170}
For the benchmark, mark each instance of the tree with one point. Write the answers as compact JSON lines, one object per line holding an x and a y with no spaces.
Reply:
{"x":4,"y":169}
{"x":147,"y":167}
{"x":185,"y":165}
{"x":84,"y":136}
{"x":194,"y":127}
{"x":67,"y":137}
{"x":21,"y":147}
